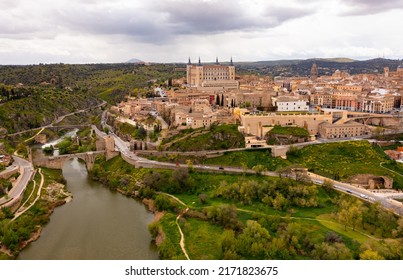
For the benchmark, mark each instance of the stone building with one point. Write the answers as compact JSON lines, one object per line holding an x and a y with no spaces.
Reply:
{"x":369,"y":181}
{"x":259,"y":124}
{"x":211,"y":76}
{"x":349,"y":129}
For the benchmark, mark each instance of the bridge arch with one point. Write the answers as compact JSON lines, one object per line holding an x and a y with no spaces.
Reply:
{"x":57,"y":162}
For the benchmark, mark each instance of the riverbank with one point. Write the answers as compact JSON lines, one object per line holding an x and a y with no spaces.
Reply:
{"x":35,"y":210}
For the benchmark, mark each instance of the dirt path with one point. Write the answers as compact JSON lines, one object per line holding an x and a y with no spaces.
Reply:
{"x":310,"y":219}
{"x":390,"y":169}
{"x":195,"y":133}
{"x":40,"y":131}
{"x":38,"y":195}
{"x":182,"y":242}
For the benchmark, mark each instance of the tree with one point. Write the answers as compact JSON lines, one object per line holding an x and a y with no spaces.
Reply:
{"x":164,"y":203}
{"x":259,"y":169}
{"x":370,"y":255}
{"x":153,"y":180}
{"x":228,"y":244}
{"x":141,"y":133}
{"x":224,"y":215}
{"x":254,"y":240}
{"x":217,"y":100}
{"x":336,"y":251}
{"x":350,"y":213}
{"x":280,"y":202}
{"x":181,"y":178}
{"x":327,"y":185}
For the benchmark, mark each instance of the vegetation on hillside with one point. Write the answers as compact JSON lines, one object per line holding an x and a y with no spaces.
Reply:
{"x":256,"y":217}
{"x":14,"y":235}
{"x":285,"y":135}
{"x":217,"y":137}
{"x":42,"y":107}
{"x":341,"y":160}
{"x":83,"y":142}
{"x":288,"y":130}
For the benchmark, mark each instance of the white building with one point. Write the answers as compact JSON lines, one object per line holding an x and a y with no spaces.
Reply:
{"x":287,"y":104}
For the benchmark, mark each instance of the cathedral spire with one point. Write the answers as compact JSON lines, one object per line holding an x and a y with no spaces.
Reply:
{"x":231,"y":63}
{"x":216,"y":61}
{"x":199,"y":61}
{"x":189,"y":63}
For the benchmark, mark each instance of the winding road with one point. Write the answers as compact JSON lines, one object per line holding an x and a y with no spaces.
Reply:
{"x":26,"y":173}
{"x":385,"y":200}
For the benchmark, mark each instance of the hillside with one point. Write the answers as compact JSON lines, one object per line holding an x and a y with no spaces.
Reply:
{"x":111,"y":82}
{"x":41,"y":106}
{"x":342,"y":160}
{"x":218,"y":137}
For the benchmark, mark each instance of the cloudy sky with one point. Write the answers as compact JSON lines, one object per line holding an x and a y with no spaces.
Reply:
{"x":92,"y":31}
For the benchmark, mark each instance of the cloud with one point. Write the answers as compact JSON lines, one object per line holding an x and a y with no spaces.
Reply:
{"x":98,"y":21}
{"x":152,"y":21}
{"x":212,"y":17}
{"x":368,"y":7}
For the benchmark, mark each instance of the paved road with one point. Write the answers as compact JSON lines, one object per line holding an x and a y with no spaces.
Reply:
{"x":383,"y":199}
{"x":23,"y":180}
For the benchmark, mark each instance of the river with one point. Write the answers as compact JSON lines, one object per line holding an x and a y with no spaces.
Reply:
{"x":97,"y":224}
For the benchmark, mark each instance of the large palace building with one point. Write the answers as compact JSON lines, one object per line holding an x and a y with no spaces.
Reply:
{"x":215,"y":76}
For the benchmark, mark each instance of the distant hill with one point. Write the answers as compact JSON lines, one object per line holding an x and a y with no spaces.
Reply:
{"x":326,"y":66}
{"x":135,"y":60}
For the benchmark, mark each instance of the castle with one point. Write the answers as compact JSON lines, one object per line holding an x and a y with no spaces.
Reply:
{"x":215,"y":76}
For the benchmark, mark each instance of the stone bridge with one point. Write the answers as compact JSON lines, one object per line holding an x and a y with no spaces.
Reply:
{"x":57,"y":162}
{"x":105,"y":145}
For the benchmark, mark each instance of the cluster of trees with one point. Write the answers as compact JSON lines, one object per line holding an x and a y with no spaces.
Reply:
{"x":42,"y":107}
{"x":127,"y":130}
{"x":280,"y":194}
{"x":373,"y":218}
{"x":11,"y":93}
{"x":5,"y":186}
{"x":70,"y":145}
{"x":12,"y":234}
{"x":271,"y":237}
{"x":179,"y":181}
{"x":224,"y":215}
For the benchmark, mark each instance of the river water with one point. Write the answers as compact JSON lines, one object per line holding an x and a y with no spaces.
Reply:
{"x":97,"y":224}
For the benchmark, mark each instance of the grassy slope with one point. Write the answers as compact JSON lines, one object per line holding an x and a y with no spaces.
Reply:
{"x":344,"y":160}
{"x":295,"y":131}
{"x":250,"y":158}
{"x":219,"y":137}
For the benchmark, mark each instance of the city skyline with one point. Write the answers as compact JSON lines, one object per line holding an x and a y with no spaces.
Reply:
{"x":101,"y":31}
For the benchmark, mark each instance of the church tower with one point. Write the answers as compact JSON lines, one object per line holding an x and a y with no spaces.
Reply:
{"x":314,"y":72}
{"x":386,"y":72}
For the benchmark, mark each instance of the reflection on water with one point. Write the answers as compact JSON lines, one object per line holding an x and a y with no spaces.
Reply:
{"x":97,"y":224}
